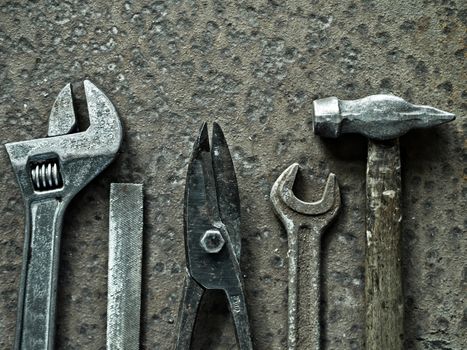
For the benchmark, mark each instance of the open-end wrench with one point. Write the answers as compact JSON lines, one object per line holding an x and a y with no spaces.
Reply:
{"x":50,"y":171}
{"x":307,"y":220}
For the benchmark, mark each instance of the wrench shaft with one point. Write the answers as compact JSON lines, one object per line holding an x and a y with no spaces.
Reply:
{"x":304,"y":288}
{"x":309,"y":286}
{"x":292,"y":237}
{"x":37,"y":294}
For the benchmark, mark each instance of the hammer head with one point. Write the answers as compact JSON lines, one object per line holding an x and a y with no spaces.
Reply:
{"x":378,"y":117}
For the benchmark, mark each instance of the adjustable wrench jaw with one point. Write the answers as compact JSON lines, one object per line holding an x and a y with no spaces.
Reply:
{"x":78,"y":157}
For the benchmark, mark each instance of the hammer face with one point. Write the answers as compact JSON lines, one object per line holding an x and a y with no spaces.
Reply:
{"x":327,"y":117}
{"x":378,"y":117}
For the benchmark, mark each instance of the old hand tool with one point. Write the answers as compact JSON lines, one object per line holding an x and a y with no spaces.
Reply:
{"x":381,"y":118}
{"x":212,"y":236}
{"x":125,"y":257}
{"x":305,"y":223}
{"x":50,"y":171}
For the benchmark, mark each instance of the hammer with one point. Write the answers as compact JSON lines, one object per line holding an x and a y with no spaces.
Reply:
{"x":382,"y":119}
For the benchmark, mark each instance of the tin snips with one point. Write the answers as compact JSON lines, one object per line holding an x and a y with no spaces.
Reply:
{"x":212,"y":236}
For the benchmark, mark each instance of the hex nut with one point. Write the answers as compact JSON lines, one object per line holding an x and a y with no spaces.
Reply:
{"x":212,"y":241}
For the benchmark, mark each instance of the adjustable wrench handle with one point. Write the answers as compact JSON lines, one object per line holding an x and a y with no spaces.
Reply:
{"x":35,"y":325}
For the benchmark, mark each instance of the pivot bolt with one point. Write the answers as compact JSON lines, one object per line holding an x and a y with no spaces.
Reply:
{"x":212,"y":241}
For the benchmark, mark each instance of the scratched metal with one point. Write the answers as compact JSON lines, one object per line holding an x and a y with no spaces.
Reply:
{"x":81,"y":157}
{"x":379,"y":117}
{"x":305,"y":223}
{"x":125,"y":259}
{"x":255,"y":67}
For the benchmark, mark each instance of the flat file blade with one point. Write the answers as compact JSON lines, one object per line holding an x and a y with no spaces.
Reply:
{"x":125,"y":259}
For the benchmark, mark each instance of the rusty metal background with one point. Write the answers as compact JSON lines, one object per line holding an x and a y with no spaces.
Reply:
{"x":255,"y":67}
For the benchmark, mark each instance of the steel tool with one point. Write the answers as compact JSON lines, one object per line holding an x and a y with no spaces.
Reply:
{"x":381,"y":118}
{"x":125,"y":257}
{"x":50,"y":171}
{"x":212,"y":236}
{"x":305,"y":223}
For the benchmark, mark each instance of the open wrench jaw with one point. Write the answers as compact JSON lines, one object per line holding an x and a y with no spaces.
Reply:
{"x":50,"y":171}
{"x":293,"y":211}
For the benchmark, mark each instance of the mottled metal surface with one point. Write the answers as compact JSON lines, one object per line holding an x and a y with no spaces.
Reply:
{"x":305,"y":223}
{"x":62,"y":118}
{"x":79,"y":157}
{"x":255,"y":67}
{"x":125,"y":262}
{"x":379,"y":117}
{"x":282,"y":194}
{"x":212,"y":209}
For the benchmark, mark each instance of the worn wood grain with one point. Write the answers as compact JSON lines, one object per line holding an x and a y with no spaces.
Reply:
{"x":383,"y":285}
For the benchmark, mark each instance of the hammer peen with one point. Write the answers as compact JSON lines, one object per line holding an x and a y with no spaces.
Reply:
{"x":382,"y":119}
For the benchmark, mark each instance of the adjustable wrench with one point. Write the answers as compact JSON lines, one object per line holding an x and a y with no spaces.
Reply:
{"x":50,"y":172}
{"x":307,"y":220}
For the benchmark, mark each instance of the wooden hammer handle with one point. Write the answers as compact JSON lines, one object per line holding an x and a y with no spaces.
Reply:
{"x":383,"y":282}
